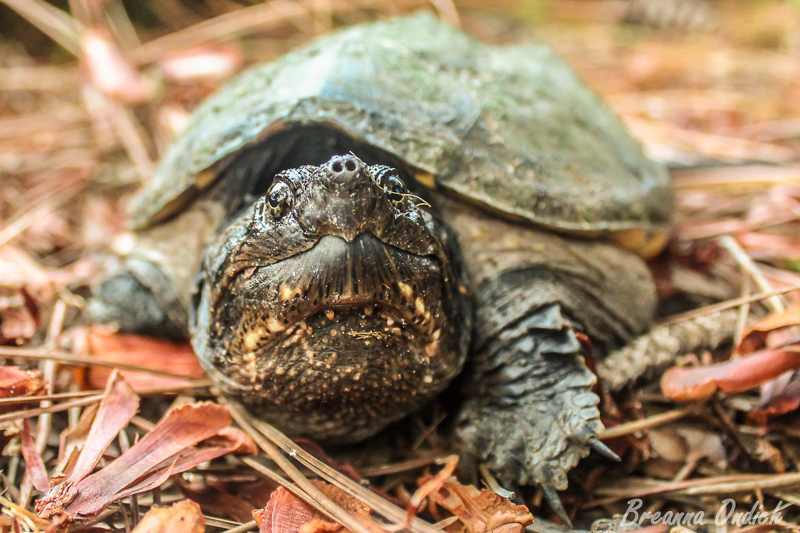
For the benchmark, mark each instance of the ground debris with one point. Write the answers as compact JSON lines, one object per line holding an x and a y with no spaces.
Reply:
{"x":187,"y":436}
{"x":182,"y":517}
{"x":756,"y":362}
{"x":286,"y":513}
{"x":479,"y":511}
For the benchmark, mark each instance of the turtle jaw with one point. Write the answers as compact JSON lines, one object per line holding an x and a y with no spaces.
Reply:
{"x":335,"y":342}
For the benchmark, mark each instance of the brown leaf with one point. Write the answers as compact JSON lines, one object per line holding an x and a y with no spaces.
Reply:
{"x":182,"y":517}
{"x":755,"y":338}
{"x":738,"y":375}
{"x":33,"y":461}
{"x":147,"y":352}
{"x":286,"y":513}
{"x":481,"y":511}
{"x":185,"y":437}
{"x":15,"y":383}
{"x":214,"y":501}
{"x":19,"y":315}
{"x":119,"y":405}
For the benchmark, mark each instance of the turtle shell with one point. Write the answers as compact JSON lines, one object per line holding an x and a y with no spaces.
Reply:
{"x":512,"y":129}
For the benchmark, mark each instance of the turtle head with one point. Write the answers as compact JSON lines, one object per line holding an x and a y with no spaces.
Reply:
{"x":335,"y":304}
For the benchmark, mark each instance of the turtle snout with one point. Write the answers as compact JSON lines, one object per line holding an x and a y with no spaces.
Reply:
{"x":345,"y":168}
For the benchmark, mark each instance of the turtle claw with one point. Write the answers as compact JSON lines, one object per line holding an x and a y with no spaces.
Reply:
{"x":533,"y":415}
{"x":595,"y":444}
{"x":551,"y":495}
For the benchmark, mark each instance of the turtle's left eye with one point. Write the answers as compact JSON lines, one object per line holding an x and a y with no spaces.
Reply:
{"x":279,"y":199}
{"x":396,"y":190}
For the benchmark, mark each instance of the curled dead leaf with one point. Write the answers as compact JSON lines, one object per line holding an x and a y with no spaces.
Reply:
{"x":17,"y":383}
{"x":480,"y":511}
{"x":182,"y":517}
{"x":755,"y":338}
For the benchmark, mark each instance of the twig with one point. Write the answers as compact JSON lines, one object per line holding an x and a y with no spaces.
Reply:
{"x":227,"y":26}
{"x":376,"y":503}
{"x":82,"y":360}
{"x":56,"y":199}
{"x":730,"y":244}
{"x":152,"y":391}
{"x":723,"y":485}
{"x":17,"y":415}
{"x":243,"y":528}
{"x":57,"y":24}
{"x":716,"y":308}
{"x":645,"y":423}
{"x":493,"y":484}
{"x":312,"y":494}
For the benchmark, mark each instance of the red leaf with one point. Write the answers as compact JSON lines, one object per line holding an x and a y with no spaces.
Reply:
{"x":186,"y":436}
{"x":36,"y":470}
{"x":147,"y":352}
{"x":738,"y":375}
{"x":481,"y":511}
{"x":119,"y":405}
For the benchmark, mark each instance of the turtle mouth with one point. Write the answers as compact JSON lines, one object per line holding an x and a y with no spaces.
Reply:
{"x":338,"y":340}
{"x":353,"y":286}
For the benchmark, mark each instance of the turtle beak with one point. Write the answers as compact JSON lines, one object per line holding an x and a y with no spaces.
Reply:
{"x":349,"y":202}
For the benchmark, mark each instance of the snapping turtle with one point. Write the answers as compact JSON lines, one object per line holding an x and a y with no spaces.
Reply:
{"x":345,"y":230}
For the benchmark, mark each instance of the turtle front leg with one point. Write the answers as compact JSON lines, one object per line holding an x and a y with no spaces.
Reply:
{"x":139,"y":298}
{"x":531,"y":414}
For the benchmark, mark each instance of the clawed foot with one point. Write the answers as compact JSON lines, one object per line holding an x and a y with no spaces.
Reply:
{"x":533,"y":415}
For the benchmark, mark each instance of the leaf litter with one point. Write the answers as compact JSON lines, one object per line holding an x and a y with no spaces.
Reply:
{"x":711,"y":90}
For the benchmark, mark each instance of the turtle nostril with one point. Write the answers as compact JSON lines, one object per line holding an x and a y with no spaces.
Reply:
{"x":345,"y":167}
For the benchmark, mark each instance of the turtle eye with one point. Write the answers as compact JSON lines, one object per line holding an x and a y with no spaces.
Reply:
{"x":279,"y":199}
{"x":396,"y":190}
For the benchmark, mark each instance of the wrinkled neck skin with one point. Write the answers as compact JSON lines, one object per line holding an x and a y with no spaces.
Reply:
{"x":334,"y":305}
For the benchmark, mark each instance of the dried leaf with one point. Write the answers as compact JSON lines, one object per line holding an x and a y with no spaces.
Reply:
{"x":214,"y":501}
{"x":185,"y":437}
{"x":481,"y":511}
{"x":286,"y":513}
{"x":19,"y":315}
{"x":755,"y":338}
{"x":119,"y":405}
{"x":738,"y":375}
{"x":147,"y":352}
{"x":182,"y":517}
{"x":36,"y":470}
{"x":21,"y":519}
{"x":777,"y":406}
{"x":15,"y":383}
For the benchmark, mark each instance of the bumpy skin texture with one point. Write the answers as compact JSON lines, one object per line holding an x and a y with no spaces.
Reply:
{"x":335,"y":304}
